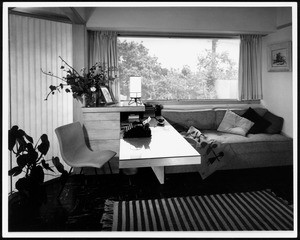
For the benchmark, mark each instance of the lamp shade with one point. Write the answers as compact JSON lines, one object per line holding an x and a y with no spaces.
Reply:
{"x":135,"y":87}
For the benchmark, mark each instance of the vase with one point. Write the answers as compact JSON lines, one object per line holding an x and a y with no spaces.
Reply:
{"x":81,"y":99}
{"x":90,"y":100}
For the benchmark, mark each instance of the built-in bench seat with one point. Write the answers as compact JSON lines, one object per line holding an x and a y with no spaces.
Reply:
{"x":250,"y":151}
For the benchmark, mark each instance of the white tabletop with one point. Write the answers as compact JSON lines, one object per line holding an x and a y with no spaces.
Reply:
{"x":166,"y":145}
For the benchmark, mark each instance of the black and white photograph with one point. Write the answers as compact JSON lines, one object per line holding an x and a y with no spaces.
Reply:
{"x":149,"y":119}
{"x":279,"y":59}
{"x":106,"y":94}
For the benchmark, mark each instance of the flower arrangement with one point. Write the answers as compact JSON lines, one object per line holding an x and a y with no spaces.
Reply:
{"x":87,"y":84}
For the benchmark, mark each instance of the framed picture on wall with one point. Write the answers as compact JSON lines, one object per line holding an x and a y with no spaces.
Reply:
{"x":107,"y":95}
{"x":279,"y":57}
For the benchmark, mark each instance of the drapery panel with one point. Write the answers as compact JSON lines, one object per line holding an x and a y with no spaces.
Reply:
{"x":250,"y":80}
{"x":36,"y":44}
{"x":103,"y":49}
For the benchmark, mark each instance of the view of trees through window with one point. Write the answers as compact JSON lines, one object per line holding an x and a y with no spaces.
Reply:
{"x":179,"y":68}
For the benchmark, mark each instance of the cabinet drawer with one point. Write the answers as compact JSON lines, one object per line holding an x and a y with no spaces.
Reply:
{"x":102,"y":134}
{"x":99,"y":125}
{"x":101,"y":116}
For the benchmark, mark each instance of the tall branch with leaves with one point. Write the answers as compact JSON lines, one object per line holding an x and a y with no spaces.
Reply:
{"x":85,"y":83}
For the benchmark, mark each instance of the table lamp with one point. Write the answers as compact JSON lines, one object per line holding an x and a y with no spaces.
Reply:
{"x":135,"y":90}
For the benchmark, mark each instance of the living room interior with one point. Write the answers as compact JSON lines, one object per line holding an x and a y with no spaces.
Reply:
{"x":47,"y":45}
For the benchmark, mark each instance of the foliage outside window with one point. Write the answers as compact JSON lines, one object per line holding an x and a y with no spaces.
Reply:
{"x":181,"y":68}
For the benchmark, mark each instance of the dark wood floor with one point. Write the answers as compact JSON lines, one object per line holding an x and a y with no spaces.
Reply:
{"x":81,"y":203}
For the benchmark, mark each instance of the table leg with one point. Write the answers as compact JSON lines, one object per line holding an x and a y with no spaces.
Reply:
{"x":160,"y":174}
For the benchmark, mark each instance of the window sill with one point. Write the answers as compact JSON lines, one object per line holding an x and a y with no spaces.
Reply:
{"x":204,"y":104}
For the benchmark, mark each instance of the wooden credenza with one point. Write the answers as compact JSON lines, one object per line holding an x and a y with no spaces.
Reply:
{"x":102,"y":129}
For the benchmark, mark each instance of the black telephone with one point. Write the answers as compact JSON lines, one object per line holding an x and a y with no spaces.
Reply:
{"x":138,"y":131}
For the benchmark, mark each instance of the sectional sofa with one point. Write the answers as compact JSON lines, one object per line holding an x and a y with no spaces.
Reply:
{"x":249,"y":151}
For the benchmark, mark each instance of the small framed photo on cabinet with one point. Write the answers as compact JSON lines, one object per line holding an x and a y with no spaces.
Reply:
{"x":107,"y":95}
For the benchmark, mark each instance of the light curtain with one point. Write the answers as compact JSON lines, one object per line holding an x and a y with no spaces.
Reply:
{"x":103,"y":49}
{"x":250,"y":82}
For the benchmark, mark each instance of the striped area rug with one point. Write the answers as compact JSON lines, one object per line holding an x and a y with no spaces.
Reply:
{"x":257,"y":210}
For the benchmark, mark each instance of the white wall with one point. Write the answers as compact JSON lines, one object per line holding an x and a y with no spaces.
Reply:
{"x":185,"y":19}
{"x":278,"y":86}
{"x":36,"y":44}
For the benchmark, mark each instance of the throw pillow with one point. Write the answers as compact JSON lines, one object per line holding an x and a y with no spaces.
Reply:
{"x":276,"y":123}
{"x":260,"y":124}
{"x":233,"y":123}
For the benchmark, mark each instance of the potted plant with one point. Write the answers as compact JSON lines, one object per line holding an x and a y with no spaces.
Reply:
{"x":31,"y":161}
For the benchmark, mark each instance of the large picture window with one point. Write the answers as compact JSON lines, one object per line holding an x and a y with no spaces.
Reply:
{"x":179,"y":68}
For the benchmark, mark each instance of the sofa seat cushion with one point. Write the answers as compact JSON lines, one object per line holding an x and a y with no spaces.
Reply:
{"x":255,"y":150}
{"x":234,"y":138}
{"x":253,"y":143}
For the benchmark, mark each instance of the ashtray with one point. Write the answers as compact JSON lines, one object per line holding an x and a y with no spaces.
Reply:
{"x":160,"y":121}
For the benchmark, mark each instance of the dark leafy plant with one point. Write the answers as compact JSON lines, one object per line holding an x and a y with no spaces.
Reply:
{"x":31,"y":160}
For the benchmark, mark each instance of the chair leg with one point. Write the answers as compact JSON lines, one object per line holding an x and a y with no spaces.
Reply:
{"x":62,"y":188}
{"x":85,"y":180}
{"x":96,"y":173}
{"x":109,"y":167}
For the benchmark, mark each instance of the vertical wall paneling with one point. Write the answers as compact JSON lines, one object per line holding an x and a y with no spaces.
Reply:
{"x":36,"y":44}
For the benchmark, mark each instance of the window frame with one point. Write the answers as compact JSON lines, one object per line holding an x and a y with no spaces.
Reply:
{"x":188,"y":35}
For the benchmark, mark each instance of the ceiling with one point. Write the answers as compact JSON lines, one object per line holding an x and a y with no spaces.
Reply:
{"x":63,"y":14}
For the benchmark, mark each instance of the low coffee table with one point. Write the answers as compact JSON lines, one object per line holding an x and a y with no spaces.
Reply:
{"x":166,"y":147}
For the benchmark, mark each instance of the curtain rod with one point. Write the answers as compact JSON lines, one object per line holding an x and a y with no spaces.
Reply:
{"x":136,"y":33}
{"x":168,"y":34}
{"x":177,"y":36}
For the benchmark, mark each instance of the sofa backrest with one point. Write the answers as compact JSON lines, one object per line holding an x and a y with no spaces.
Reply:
{"x":203,"y":119}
